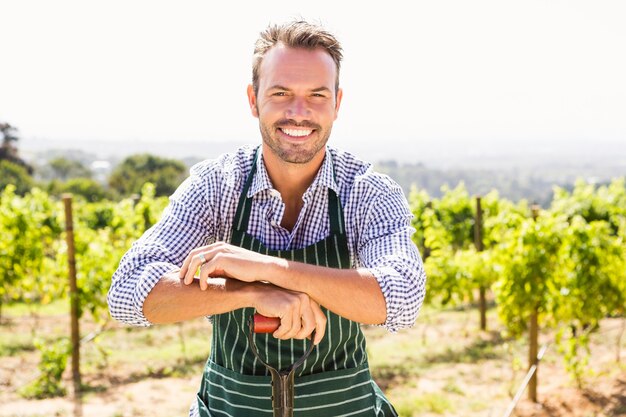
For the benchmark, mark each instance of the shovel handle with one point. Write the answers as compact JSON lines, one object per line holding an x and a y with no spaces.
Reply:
{"x":264,"y":324}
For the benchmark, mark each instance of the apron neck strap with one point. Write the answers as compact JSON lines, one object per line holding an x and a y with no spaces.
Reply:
{"x":244,"y":207}
{"x":335,"y":213}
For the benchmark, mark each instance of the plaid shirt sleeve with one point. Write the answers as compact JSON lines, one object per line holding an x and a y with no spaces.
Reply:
{"x":385,"y":247}
{"x":185,"y":224}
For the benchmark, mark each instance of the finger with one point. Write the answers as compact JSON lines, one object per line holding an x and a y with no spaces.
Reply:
{"x":202,"y":278}
{"x":192,"y":262}
{"x":285,"y":326}
{"x":296,"y":324}
{"x":188,"y":263}
{"x":320,"y":323}
{"x":185,"y":266}
{"x":202,"y":261}
{"x":292,"y":320}
{"x":206,"y":272}
{"x":308,"y":323}
{"x":196,"y":259}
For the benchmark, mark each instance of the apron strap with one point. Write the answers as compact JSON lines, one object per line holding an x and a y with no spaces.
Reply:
{"x":244,"y":207}
{"x":335,"y":213}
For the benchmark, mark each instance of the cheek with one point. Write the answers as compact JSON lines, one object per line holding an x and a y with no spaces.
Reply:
{"x":327,"y":110}
{"x":268,"y":110}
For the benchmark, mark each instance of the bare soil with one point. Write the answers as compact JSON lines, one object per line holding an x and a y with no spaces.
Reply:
{"x":441,"y":367}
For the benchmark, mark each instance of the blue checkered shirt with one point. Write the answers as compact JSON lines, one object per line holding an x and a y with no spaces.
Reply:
{"x":201,"y":211}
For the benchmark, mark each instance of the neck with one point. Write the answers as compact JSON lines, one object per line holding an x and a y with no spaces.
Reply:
{"x":291,"y":180}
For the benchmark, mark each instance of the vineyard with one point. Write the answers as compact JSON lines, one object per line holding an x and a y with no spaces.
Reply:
{"x":530,"y":271}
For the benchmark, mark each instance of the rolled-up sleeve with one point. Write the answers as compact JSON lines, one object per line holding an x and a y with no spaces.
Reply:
{"x":386,"y":249}
{"x":185,"y":224}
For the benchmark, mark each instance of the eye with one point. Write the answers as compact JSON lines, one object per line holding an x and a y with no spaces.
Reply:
{"x":279,"y":94}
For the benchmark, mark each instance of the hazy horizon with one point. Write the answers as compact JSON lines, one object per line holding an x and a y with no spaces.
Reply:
{"x":431,"y":153}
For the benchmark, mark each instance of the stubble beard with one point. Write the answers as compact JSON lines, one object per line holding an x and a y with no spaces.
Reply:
{"x":291,"y":152}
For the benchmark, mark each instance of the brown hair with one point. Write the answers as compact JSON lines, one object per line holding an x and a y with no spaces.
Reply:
{"x":295,"y":34}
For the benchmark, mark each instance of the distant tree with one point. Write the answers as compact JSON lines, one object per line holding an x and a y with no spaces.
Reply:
{"x":89,"y":189}
{"x":130,"y":176}
{"x":12,"y":173}
{"x":63,"y":168}
{"x":8,"y":149}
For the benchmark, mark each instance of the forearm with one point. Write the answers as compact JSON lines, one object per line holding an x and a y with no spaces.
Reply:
{"x":388,"y":291}
{"x":352,"y":293}
{"x":172,"y":301}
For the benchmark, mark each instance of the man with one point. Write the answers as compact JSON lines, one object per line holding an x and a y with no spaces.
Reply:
{"x":293,"y":229}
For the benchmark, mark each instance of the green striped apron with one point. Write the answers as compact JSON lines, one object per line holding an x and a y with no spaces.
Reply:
{"x":335,"y":378}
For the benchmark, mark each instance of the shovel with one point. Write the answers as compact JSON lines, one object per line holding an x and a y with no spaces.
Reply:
{"x":282,"y":380}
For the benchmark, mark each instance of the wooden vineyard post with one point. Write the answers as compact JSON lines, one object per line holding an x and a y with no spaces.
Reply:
{"x":533,"y":346}
{"x":478,"y":242}
{"x":69,"y":233}
{"x":426,"y":254}
{"x":532,"y":355}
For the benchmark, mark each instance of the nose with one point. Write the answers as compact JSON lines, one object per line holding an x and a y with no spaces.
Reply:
{"x":298,"y":109}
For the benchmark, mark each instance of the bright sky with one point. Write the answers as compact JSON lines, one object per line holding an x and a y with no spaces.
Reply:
{"x":416,"y":70}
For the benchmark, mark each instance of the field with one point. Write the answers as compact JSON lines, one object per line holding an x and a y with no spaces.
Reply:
{"x":443,"y":366}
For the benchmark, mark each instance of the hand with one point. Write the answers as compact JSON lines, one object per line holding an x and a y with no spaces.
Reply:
{"x":299,"y":314}
{"x":227,"y":261}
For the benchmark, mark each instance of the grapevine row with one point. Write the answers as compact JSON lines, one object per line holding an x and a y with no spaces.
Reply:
{"x":565,"y":265}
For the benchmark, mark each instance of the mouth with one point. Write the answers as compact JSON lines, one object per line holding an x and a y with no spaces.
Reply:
{"x":296,"y":133}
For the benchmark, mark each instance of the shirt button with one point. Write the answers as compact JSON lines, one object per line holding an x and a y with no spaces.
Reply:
{"x":274,"y":223}
{"x":274,"y":193}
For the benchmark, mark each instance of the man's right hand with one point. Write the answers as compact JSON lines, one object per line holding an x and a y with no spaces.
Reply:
{"x":299,"y":314}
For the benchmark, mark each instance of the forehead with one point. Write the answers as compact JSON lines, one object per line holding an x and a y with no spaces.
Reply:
{"x":285,"y":66}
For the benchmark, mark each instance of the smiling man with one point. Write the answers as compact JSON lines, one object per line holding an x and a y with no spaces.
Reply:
{"x":292,"y":229}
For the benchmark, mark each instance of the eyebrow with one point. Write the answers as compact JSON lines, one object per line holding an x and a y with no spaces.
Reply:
{"x":321,"y":89}
{"x":315,"y":90}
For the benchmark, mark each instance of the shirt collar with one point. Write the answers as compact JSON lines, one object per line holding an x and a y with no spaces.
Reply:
{"x":260,"y":180}
{"x":325,"y":176}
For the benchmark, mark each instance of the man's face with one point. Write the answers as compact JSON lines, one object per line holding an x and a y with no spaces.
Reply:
{"x":296,"y":102}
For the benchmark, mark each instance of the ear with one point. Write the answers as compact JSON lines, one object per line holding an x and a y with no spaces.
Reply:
{"x":338,"y":102}
{"x":252,"y":101}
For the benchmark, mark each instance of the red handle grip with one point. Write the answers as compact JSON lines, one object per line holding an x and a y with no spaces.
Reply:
{"x":264,"y":324}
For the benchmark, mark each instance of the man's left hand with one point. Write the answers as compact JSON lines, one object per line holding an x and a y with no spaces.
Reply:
{"x":227,"y":261}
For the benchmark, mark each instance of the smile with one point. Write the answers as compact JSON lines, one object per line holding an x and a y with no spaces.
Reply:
{"x":296,"y":133}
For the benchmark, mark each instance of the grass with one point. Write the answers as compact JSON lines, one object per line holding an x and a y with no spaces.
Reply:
{"x":128,"y":355}
{"x":56,"y":307}
{"x":12,"y":343}
{"x":162,"y":344}
{"x":436,"y":403}
{"x":16,"y":337}
{"x":436,"y":367}
{"x":443,"y":366}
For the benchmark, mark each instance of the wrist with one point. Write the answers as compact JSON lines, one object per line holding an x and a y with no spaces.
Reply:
{"x":251,"y":293}
{"x":238,"y":292}
{"x":275,"y":271}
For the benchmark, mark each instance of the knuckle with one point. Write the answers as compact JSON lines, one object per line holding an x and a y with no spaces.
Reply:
{"x":295,"y":303}
{"x":321,"y":317}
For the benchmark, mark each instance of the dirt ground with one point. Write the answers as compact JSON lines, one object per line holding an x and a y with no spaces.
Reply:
{"x":455,"y":381}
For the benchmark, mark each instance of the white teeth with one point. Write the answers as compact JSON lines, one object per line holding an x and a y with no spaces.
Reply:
{"x":297,"y":132}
